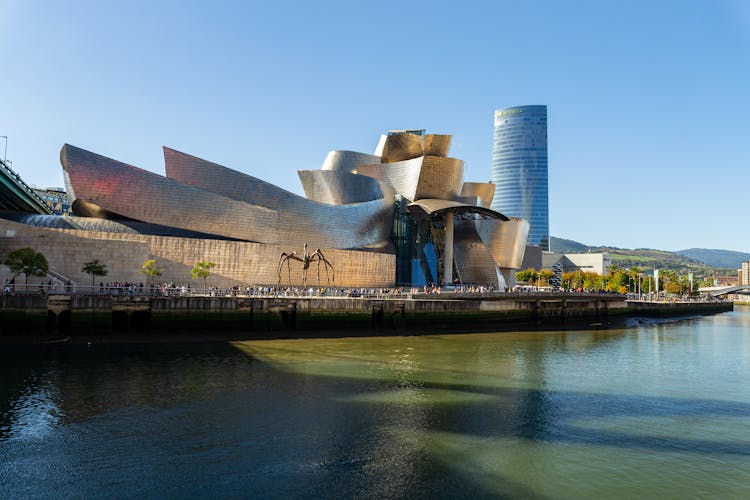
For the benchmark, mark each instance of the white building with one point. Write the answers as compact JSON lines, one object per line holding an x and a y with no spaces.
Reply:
{"x":589,"y":262}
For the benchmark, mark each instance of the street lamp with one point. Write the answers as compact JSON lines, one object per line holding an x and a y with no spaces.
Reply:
{"x":639,"y":285}
{"x":5,"y":154}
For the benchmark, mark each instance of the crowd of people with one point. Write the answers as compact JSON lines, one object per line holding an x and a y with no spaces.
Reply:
{"x":170,"y":289}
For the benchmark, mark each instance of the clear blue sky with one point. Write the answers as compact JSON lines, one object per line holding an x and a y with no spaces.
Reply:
{"x":648,"y":101}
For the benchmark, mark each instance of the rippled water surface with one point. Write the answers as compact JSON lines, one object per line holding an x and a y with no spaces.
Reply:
{"x":654,"y":410}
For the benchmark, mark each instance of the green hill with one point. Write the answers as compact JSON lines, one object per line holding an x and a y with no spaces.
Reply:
{"x":649,"y":259}
{"x":717,"y":258}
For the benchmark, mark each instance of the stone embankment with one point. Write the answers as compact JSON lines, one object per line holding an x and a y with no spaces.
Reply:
{"x":273,"y":316}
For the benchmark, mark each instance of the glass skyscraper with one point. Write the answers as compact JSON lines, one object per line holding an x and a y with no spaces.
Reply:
{"x":519,"y":168}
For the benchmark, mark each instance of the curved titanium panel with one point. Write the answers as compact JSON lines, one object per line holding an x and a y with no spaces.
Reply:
{"x":506,"y":241}
{"x":402,"y":177}
{"x":339,"y":187}
{"x":424,"y":207}
{"x":142,"y":195}
{"x":70,"y":222}
{"x":423,"y":177}
{"x":347,"y":160}
{"x":356,"y":225}
{"x":402,"y":146}
{"x":437,"y":145}
{"x":474,"y":262}
{"x":86,"y":209}
{"x":483,"y":191}
{"x":104,"y":225}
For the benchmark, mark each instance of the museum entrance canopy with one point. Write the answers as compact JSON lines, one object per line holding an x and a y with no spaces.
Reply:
{"x":427,"y":207}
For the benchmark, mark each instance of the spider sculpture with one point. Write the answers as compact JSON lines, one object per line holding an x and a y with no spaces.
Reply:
{"x":306,"y":259}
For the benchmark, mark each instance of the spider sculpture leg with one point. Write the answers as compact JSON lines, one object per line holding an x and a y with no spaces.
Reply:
{"x":284,"y":258}
{"x":318,"y":255}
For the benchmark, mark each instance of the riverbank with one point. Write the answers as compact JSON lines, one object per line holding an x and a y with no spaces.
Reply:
{"x":80,"y":319}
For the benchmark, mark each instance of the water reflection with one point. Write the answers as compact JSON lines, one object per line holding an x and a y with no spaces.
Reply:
{"x":661,"y":407}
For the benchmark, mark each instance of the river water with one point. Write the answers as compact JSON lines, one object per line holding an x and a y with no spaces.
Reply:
{"x":657,"y":409}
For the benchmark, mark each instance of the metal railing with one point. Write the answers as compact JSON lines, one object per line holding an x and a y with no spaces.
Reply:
{"x":11,"y":175}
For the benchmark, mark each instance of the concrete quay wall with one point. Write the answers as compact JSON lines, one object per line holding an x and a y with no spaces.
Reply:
{"x":644,"y":308}
{"x":262,"y":316}
{"x":89,"y":314}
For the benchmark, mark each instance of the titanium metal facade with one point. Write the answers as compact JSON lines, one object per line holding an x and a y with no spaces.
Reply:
{"x":519,"y":168}
{"x":299,"y":220}
{"x":404,"y":217}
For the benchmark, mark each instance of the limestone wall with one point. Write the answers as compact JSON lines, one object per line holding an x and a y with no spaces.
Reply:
{"x":237,"y":263}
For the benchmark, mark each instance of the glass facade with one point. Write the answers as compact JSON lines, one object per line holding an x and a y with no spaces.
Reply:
{"x":519,"y":168}
{"x":419,"y":247}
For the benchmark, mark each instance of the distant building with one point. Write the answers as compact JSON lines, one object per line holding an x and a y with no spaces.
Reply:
{"x":588,"y":262}
{"x":56,"y":199}
{"x":744,"y":273}
{"x":519,"y":168}
{"x":724,"y":280}
{"x":532,"y":257}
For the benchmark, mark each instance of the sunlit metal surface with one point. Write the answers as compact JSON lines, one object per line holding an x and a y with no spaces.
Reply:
{"x":347,"y":160}
{"x":139,"y":194}
{"x":335,"y":187}
{"x":102,"y":225}
{"x":402,"y":146}
{"x":474,"y":263}
{"x":423,"y":177}
{"x":436,"y":145}
{"x":231,"y":204}
{"x":506,"y":241}
{"x":69,"y":222}
{"x":479,"y":192}
{"x":299,"y":220}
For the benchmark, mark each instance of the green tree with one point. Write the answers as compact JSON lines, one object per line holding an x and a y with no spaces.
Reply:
{"x":544,"y":276}
{"x":95,"y":268}
{"x":670,"y":281}
{"x":570,"y":280}
{"x":202,"y":270}
{"x":591,"y":280}
{"x":152,"y":270}
{"x":28,"y":262}
{"x":618,"y":281}
{"x":526,"y":276}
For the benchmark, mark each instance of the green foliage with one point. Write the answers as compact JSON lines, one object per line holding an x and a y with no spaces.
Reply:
{"x":95,"y":268}
{"x":534,"y":277}
{"x":151,"y":270}
{"x":544,"y":276}
{"x":202,"y":270}
{"x":619,"y":279}
{"x":28,"y":262}
{"x":526,"y":276}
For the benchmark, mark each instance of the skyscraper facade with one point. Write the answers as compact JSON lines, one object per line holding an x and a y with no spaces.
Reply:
{"x":519,"y":168}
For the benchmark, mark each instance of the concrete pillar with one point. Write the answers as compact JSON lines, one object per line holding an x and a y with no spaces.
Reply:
{"x":448,"y":251}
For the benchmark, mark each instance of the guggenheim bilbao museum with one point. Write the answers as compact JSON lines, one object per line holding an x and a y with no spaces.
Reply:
{"x":401,"y":216}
